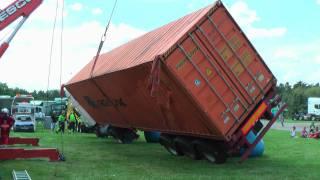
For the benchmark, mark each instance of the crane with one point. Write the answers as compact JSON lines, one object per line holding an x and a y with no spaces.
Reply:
{"x":8,"y":15}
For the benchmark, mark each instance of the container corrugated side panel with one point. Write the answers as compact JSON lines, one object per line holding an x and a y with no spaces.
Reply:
{"x":147,"y":47}
{"x":142,"y":49}
{"x":221,"y":71}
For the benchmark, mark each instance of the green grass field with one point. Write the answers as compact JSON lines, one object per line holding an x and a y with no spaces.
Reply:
{"x":91,"y":158}
{"x":298,"y":121}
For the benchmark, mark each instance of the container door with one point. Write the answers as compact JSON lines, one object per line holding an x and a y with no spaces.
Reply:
{"x":234,"y":53}
{"x":221,"y":70}
{"x":207,"y":84}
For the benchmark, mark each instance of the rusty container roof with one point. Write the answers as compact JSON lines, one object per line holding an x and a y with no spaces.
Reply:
{"x":142,"y":49}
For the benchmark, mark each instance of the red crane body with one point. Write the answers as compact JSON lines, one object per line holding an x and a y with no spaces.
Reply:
{"x":17,"y":9}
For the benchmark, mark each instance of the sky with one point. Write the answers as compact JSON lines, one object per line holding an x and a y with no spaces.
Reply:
{"x":286,"y":34}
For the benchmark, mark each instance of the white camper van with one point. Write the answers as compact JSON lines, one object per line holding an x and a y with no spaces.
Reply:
{"x":314,"y":108}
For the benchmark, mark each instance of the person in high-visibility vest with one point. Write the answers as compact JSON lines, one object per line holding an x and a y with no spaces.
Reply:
{"x":78,"y":126}
{"x":72,"y":122}
{"x":61,"y":120}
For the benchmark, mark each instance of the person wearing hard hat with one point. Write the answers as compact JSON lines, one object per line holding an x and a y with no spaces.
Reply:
{"x":6,"y":122}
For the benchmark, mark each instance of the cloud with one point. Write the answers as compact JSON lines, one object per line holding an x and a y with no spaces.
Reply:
{"x":77,"y":7}
{"x":247,"y":18}
{"x":96,"y":11}
{"x":266,"y":33}
{"x":25,"y":64}
{"x":244,"y":15}
{"x":5,"y":3}
{"x":298,"y":61}
{"x":317,"y":59}
{"x":195,"y":4}
{"x":285,"y":53}
{"x":318,"y":2}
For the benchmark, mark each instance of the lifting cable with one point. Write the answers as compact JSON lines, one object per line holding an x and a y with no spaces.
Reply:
{"x":103,"y":38}
{"x":61,"y":48}
{"x":50,"y":58}
{"x":51,"y":49}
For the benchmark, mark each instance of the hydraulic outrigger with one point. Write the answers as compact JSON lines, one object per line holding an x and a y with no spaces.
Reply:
{"x":17,"y":9}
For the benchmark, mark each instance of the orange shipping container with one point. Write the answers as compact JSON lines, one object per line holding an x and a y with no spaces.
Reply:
{"x":198,"y":76}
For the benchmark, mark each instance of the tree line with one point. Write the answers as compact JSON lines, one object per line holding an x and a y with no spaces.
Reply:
{"x":296,"y":96}
{"x":38,"y":95}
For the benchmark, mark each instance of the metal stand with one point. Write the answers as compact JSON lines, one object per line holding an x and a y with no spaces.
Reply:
{"x":262,"y":133}
{"x":9,"y":152}
{"x":26,"y":141}
{"x":20,"y":153}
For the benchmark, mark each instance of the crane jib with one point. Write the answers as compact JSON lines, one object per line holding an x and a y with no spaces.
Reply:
{"x":13,"y":8}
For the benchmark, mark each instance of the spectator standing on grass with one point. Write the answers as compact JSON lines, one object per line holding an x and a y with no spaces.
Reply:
{"x":281,"y":116}
{"x":54,"y":119}
{"x":72,"y":122}
{"x":304,"y":133}
{"x":293,"y":132}
{"x":79,"y":123}
{"x":61,"y":120}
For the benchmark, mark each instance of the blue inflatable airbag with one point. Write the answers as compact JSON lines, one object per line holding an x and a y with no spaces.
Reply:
{"x":152,"y":136}
{"x":258,"y":150}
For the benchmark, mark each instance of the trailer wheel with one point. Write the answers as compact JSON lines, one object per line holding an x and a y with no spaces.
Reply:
{"x":102,"y":131}
{"x":210,"y":152}
{"x":186,"y":146}
{"x":167,"y":142}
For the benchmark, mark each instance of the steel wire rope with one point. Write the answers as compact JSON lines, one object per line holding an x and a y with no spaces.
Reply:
{"x":49,"y":68}
{"x":103,"y":38}
{"x":61,"y":57}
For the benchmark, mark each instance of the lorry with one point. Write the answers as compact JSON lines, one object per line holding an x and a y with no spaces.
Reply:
{"x":197,"y":80}
{"x":312,"y":113}
{"x":23,"y":112}
{"x":314,"y":108}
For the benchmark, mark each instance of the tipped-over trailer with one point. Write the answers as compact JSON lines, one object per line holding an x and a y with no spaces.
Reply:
{"x":197,"y":80}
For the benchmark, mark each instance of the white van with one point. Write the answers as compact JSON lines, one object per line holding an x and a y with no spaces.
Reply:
{"x":314,"y":107}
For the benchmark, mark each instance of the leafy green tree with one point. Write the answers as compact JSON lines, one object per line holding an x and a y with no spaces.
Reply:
{"x":296,"y":96}
{"x":38,"y":95}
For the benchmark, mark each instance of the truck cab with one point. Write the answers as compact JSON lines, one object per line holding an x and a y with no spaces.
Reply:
{"x":314,"y":108}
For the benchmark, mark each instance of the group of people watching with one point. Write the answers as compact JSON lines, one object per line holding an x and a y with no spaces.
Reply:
{"x":312,"y":133}
{"x":73,"y":123}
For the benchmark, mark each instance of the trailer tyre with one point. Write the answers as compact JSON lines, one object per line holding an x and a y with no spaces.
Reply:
{"x":102,"y":131}
{"x":211,"y":153}
{"x":167,"y":142}
{"x":187,"y":148}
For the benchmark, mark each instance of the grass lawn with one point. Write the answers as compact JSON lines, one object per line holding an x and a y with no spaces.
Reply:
{"x":91,"y":158}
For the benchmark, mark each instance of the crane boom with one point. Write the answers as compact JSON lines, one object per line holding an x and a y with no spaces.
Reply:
{"x":19,"y":8}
